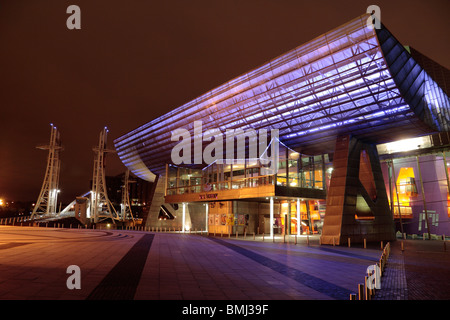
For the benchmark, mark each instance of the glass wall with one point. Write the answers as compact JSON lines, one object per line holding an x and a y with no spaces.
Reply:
{"x":419,"y":194}
{"x":310,"y":219}
{"x":183,"y":180}
{"x":291,"y":169}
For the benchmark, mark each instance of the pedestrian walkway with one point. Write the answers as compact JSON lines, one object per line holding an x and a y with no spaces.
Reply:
{"x":421,"y":271}
{"x":137,"y":265}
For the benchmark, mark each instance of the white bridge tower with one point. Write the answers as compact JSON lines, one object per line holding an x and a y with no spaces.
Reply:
{"x":46,"y":203}
{"x":125,"y":207}
{"x":101,"y":207}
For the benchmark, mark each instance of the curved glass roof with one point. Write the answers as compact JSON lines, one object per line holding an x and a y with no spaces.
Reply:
{"x":351,"y":80}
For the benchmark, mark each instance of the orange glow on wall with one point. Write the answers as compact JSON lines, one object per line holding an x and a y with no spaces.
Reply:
{"x":313,"y":213}
{"x":406,"y":189}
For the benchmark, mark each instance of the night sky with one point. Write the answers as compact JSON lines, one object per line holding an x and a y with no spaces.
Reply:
{"x":133,"y":61}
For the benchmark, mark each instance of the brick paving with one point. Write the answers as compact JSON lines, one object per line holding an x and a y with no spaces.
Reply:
{"x":393,"y":281}
{"x":420,"y":272}
{"x":121,"y":282}
{"x":171,"y":266}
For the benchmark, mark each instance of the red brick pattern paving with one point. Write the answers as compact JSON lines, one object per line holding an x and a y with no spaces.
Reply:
{"x":420,"y":272}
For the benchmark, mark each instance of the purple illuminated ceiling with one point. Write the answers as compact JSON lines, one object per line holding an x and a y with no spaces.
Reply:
{"x":338,"y":83}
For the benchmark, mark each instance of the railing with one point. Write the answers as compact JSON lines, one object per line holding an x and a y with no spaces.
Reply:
{"x":372,"y":280}
{"x":247,"y":182}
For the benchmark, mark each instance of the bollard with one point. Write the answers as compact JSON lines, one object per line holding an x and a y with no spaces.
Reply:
{"x":360,"y":291}
{"x":263,"y":237}
{"x":381,"y":273}
{"x":366,"y":290}
{"x":365,"y":243}
{"x":348,"y":239}
{"x":295,"y":239}
{"x":284,"y":238}
{"x":402,"y":246}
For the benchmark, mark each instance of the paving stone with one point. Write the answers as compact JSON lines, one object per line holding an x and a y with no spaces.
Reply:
{"x":171,"y":266}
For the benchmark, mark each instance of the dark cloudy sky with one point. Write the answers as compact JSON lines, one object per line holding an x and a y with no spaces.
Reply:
{"x":134,"y":60}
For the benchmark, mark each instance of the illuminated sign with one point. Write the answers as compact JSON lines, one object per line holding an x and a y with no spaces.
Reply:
{"x":208,"y":196}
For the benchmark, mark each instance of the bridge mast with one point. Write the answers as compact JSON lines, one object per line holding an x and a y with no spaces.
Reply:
{"x":101,"y":207}
{"x":125,"y":207}
{"x":46,"y":203}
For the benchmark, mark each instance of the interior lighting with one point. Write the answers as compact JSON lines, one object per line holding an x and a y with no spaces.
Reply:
{"x":406,"y":145}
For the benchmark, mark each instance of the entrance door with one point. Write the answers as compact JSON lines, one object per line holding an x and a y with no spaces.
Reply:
{"x":266,"y":225}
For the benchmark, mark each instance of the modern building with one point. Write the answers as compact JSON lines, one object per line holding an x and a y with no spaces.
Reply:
{"x":302,"y":144}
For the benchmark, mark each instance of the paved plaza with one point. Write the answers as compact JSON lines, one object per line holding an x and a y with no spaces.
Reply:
{"x":137,"y":265}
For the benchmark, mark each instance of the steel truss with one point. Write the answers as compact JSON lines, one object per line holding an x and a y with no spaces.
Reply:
{"x":46,"y":205}
{"x":125,"y":207}
{"x":101,"y":206}
{"x":338,"y":83}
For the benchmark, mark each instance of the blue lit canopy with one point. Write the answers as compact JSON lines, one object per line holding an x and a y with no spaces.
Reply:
{"x":351,"y":80}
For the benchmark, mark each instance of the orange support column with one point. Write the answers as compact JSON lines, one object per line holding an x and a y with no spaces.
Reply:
{"x":357,"y":203}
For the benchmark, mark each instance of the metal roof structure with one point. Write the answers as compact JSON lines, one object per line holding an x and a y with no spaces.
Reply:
{"x":351,"y":80}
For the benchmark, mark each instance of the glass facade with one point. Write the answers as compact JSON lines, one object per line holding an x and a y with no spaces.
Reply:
{"x":418,"y":189}
{"x":352,"y":81}
{"x":292,"y":170}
